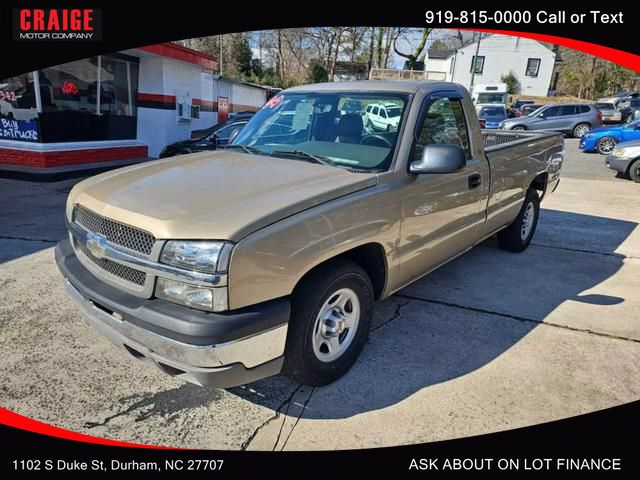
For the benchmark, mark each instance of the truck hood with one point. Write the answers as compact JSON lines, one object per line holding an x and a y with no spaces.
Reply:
{"x":213,"y":195}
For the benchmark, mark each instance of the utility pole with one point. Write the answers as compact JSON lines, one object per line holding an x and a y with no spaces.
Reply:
{"x":475,"y":61}
{"x":220,"y":55}
{"x":370,"y":61}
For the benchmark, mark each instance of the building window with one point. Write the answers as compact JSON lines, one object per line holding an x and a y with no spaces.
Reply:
{"x":70,"y":87}
{"x":479,"y":64}
{"x":90,"y":99}
{"x":18,"y":112}
{"x":533,"y":66}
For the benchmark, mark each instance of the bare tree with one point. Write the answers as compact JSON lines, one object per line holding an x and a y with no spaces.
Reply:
{"x":336,"y":52}
{"x":412,"y":57}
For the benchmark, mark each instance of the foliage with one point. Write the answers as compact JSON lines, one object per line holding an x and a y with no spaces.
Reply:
{"x":318,"y":73}
{"x":439,"y":43}
{"x":513,"y":84}
{"x":589,"y":77}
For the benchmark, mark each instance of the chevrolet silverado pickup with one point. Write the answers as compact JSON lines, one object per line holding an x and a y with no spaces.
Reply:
{"x":225,"y":267}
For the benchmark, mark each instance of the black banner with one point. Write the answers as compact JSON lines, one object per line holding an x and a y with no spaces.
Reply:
{"x":137,"y":24}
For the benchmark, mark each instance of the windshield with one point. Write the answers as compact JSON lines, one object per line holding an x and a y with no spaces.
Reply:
{"x":343,"y":129}
{"x":605,"y":106}
{"x":493,"y":112}
{"x":491,"y":98}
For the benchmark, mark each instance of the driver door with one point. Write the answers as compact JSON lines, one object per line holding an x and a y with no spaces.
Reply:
{"x":442,"y":214}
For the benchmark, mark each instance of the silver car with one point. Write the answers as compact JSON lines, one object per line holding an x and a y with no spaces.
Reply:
{"x":574,"y":119}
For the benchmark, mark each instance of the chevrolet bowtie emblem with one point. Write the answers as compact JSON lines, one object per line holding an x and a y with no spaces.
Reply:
{"x":96,"y":244}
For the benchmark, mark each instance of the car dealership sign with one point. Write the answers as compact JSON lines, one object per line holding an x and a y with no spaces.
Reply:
{"x":57,"y":24}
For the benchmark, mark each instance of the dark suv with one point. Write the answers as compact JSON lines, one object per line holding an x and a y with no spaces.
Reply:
{"x":570,"y":118}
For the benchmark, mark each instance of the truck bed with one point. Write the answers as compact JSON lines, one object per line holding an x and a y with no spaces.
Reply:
{"x":499,"y":139}
{"x":514,"y":157}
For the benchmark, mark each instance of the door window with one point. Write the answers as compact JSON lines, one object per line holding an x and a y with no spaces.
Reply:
{"x":550,"y":112}
{"x":444,"y":123}
{"x":567,"y":110}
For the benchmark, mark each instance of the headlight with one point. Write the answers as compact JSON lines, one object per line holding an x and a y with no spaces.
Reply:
{"x":209,"y":257}
{"x":204,"y":298}
{"x":619,"y":152}
{"x":587,"y":135}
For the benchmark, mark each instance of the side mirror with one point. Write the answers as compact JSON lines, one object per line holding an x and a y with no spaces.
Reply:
{"x":234,"y":134}
{"x":440,"y":159}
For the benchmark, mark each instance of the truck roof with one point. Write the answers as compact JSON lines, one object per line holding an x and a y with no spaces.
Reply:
{"x":404,"y":86}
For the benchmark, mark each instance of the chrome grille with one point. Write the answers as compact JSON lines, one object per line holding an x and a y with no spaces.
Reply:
{"x":115,"y":232}
{"x":121,"y":271}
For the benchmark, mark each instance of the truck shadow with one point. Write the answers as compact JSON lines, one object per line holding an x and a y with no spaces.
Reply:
{"x":466,"y":314}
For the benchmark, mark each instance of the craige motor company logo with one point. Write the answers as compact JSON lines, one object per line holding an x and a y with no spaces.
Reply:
{"x":83,"y":24}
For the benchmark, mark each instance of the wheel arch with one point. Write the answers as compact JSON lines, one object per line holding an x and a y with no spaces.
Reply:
{"x":371,"y":257}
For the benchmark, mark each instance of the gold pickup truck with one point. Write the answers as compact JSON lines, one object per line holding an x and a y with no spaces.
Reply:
{"x":225,"y":267}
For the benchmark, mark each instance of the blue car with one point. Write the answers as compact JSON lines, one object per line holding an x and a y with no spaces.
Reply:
{"x":604,"y":139}
{"x":490,"y":117}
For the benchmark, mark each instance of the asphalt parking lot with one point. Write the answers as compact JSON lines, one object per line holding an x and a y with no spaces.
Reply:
{"x":491,"y":341}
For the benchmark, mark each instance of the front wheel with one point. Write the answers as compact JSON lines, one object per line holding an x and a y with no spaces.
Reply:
{"x":517,"y":236}
{"x":634,"y":171}
{"x":330,"y":321}
{"x":580,"y":129}
{"x":606,"y":145}
{"x":519,"y":128}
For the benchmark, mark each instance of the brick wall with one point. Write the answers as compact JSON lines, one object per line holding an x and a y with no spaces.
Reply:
{"x":38,"y":159}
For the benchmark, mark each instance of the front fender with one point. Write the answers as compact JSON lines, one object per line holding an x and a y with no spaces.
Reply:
{"x":269,"y":263}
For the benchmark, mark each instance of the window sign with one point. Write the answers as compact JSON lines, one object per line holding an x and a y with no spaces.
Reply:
{"x":25,"y":130}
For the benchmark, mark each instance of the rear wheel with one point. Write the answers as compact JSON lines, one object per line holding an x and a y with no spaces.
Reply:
{"x":519,"y":128}
{"x":517,"y":236}
{"x":580,"y":129}
{"x":330,"y":320}
{"x":606,"y":145}
{"x":634,"y":171}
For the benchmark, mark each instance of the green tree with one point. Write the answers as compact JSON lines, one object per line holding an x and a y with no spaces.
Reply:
{"x":440,"y":44}
{"x":318,"y":73}
{"x":513,"y":84}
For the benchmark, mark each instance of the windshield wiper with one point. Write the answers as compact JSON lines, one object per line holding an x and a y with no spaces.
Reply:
{"x":309,"y":157}
{"x":245,"y":148}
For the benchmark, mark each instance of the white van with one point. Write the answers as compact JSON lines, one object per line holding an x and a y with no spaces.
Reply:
{"x":490,"y":95}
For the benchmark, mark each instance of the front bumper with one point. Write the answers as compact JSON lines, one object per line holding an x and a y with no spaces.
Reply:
{"x":618,"y":164}
{"x":218,"y":350}
{"x":587,"y":144}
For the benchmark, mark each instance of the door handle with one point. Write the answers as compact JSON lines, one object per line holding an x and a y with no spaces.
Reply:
{"x":475,"y":181}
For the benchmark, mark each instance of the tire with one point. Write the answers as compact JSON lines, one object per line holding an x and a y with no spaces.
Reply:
{"x":519,"y":128}
{"x":634,"y":171}
{"x":309,"y":354}
{"x":580,"y":129}
{"x":516,"y":237}
{"x":605,"y":145}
